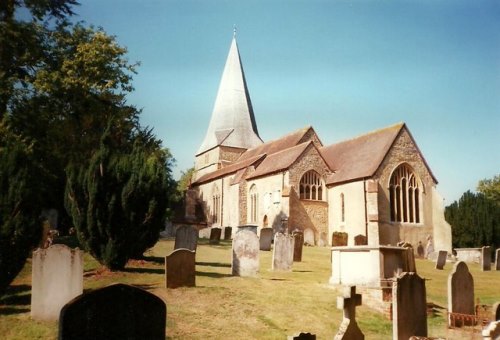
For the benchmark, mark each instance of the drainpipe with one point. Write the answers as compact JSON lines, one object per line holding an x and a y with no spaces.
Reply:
{"x":366,"y":210}
{"x":222,"y":203}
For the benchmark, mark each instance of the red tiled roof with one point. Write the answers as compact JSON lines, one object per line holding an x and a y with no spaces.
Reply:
{"x":232,"y":168}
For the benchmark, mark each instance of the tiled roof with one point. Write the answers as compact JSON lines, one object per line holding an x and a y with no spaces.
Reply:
{"x":232,"y":168}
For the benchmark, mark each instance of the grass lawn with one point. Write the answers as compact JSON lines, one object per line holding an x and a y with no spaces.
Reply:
{"x":272,"y":306}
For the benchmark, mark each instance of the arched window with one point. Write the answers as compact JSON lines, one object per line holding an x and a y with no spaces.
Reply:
{"x":404,"y":195}
{"x":342,"y":208}
{"x":254,"y":204}
{"x":216,"y":212}
{"x":311,"y":186}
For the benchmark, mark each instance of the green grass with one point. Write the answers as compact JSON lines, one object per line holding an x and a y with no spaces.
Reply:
{"x":272,"y":306}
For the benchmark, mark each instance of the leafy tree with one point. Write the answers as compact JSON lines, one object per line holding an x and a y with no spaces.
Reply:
{"x":20,"y":225}
{"x":490,"y":188}
{"x":118,"y":203}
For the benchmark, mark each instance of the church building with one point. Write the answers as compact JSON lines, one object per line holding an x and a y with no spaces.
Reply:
{"x":377,"y":187}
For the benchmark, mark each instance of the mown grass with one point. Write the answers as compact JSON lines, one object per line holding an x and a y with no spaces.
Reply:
{"x":272,"y":306}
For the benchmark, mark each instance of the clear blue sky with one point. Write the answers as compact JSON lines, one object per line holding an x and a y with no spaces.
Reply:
{"x":344,"y":67}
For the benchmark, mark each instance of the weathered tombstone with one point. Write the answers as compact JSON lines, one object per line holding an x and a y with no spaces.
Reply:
{"x":492,"y":331}
{"x":323,"y":239}
{"x":245,"y":254}
{"x":205,"y":232}
{"x":298,"y":245}
{"x":118,"y":311}
{"x":252,"y":228}
{"x":309,"y":237}
{"x":360,"y":240}
{"x":495,"y":312}
{"x":349,"y":328}
{"x":228,"y":232}
{"x":186,"y":237}
{"x":408,"y":257}
{"x":266,"y":237}
{"x":409,"y":307}
{"x":339,"y":239}
{"x":180,"y":268}
{"x":497,"y":259}
{"x":441,"y":260}
{"x":215,"y":235}
{"x":57,"y":277}
{"x":420,"y":250}
{"x":485,"y":259}
{"x":460,"y":295}
{"x":283,"y":252}
{"x":302,"y":336}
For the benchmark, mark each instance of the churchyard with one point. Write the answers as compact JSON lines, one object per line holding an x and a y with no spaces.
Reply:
{"x":271,"y":304}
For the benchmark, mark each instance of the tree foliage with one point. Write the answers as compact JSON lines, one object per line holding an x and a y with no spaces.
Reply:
{"x":490,"y":188}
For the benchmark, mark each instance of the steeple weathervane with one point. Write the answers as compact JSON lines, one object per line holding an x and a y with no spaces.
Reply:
{"x":234,"y":31}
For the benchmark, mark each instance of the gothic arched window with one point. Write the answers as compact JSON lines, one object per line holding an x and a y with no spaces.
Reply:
{"x":254,"y":203}
{"x":311,"y":186}
{"x":216,"y":212}
{"x":404,"y":195}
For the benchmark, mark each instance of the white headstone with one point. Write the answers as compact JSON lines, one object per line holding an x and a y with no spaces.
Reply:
{"x":283,"y":252}
{"x":245,"y":259}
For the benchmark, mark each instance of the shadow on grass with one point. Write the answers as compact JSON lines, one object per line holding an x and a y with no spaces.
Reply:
{"x":210,"y":274}
{"x":302,"y":271}
{"x":154,"y":259}
{"x":144,"y":270}
{"x":11,"y":311}
{"x":213,"y":264}
{"x":16,"y":296}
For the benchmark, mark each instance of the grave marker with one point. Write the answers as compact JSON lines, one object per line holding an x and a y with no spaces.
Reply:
{"x":485,"y":259}
{"x":266,"y":236}
{"x":180,"y":268}
{"x":186,"y":237}
{"x":460,"y":295}
{"x":497,"y":259}
{"x":339,"y":239}
{"x":298,"y":245}
{"x":215,"y":235}
{"x":57,"y":277}
{"x":245,"y":254}
{"x":360,"y":240}
{"x":349,"y":328}
{"x":118,"y":311}
{"x":309,"y":237}
{"x":441,"y":259}
{"x":283,"y":252}
{"x":228,"y":232}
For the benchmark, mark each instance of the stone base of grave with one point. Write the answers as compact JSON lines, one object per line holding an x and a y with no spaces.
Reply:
{"x":379,"y":299}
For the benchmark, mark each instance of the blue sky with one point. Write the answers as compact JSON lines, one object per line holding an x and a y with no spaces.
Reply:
{"x":344,"y":67}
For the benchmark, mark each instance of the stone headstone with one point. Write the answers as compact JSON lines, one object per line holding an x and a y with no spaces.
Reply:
{"x":496,"y":311}
{"x":118,"y":311}
{"x":360,"y":240}
{"x":250,"y":227}
{"x":215,"y":235}
{"x":497,"y":259}
{"x":348,"y":302}
{"x":309,"y":237}
{"x":186,"y":237}
{"x":429,"y":247}
{"x":302,"y":336}
{"x":460,"y":293}
{"x":485,"y":258}
{"x":409,"y":307}
{"x":180,"y":268}
{"x":204,"y":233}
{"x":323,"y":239}
{"x":266,"y":237}
{"x":339,"y":239}
{"x":492,"y":331}
{"x":441,"y":259}
{"x":408,"y":258}
{"x":56,"y":278}
{"x":245,"y":254}
{"x":228,"y":232}
{"x":420,"y":250}
{"x":283,"y":252}
{"x":298,"y":245}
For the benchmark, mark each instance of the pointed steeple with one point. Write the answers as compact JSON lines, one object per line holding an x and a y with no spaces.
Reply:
{"x":233,"y":121}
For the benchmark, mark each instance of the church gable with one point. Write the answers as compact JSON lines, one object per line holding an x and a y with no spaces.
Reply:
{"x":310,"y":159}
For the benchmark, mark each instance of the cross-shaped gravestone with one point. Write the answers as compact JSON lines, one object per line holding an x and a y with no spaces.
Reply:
{"x":349,"y":329}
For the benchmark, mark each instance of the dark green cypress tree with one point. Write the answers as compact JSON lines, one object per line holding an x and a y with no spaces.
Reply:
{"x":20,"y":205}
{"x":118,"y":202}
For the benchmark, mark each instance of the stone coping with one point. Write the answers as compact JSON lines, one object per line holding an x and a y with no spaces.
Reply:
{"x":367,"y":248}
{"x":467,"y":248}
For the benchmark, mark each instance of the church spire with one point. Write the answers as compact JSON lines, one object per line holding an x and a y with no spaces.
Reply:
{"x":233,"y":121}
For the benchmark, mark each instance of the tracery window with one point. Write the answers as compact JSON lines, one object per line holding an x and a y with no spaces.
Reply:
{"x":216,"y":212}
{"x":311,"y":186}
{"x":254,"y":198}
{"x":404,"y":195}
{"x":342,"y":208}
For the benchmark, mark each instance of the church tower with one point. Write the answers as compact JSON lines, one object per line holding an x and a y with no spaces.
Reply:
{"x":232,"y":128}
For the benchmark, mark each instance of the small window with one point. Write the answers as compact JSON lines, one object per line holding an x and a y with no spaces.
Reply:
{"x":253,"y":204}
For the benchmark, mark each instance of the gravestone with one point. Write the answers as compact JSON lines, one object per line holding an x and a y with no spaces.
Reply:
{"x":215,"y":235}
{"x":441,"y":259}
{"x":205,"y":232}
{"x":495,"y":312}
{"x":56,"y":278}
{"x":420,"y":250}
{"x":492,"y":331}
{"x":485,"y":259}
{"x":408,"y":257}
{"x":323,"y":239}
{"x":180,"y":268}
{"x":349,"y":328}
{"x":460,"y":293}
{"x":360,"y":240}
{"x":409,"y":307}
{"x":245,"y":254}
{"x":228,"y":232}
{"x":250,"y":227}
{"x":186,"y":237}
{"x":118,"y":311}
{"x":497,"y":259}
{"x":339,"y":239}
{"x":309,"y":237}
{"x":283,"y":252}
{"x":266,"y":237}
{"x":302,"y":336}
{"x":298,"y":245}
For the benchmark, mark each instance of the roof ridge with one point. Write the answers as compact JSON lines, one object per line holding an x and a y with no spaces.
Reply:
{"x":399,"y":125}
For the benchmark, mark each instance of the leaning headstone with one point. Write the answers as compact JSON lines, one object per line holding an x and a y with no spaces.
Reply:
{"x":228,"y":231}
{"x":492,"y":331}
{"x":298,"y":245}
{"x":302,"y":336}
{"x":360,"y":240}
{"x":180,"y":268}
{"x":441,"y":259}
{"x":409,"y":307}
{"x":215,"y":235}
{"x":497,"y":259}
{"x":309,"y":237}
{"x":57,"y":277}
{"x":460,"y":294}
{"x":283,"y":252}
{"x":186,"y":237}
{"x":245,"y":254}
{"x":339,"y":239}
{"x":485,"y":259}
{"x":266,"y":237}
{"x":349,"y":328}
{"x":118,"y":311}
